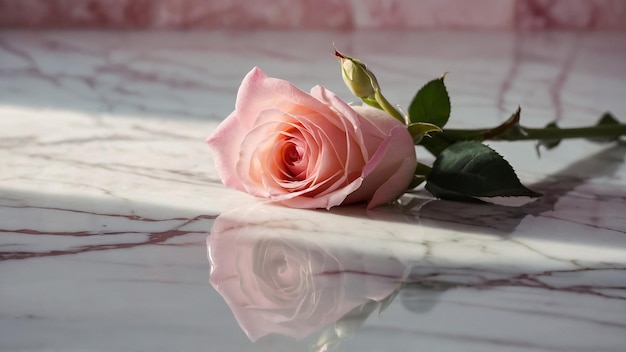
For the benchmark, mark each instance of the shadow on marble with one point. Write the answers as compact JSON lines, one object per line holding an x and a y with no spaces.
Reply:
{"x":311,"y":274}
{"x":98,"y":270}
{"x":40,"y":224}
{"x":573,"y":184}
{"x":572,"y":195}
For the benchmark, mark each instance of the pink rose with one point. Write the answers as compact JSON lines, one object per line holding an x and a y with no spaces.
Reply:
{"x":310,"y":150}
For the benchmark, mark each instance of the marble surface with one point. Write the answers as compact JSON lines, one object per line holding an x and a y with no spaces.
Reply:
{"x":316,"y":14}
{"x":109,"y":202}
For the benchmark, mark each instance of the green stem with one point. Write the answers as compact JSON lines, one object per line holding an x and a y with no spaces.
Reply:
{"x":436,"y":143}
{"x":422,"y":169}
{"x":386,"y":106}
{"x":524,"y":133}
{"x":612,"y":131}
{"x":373,"y":103}
{"x":421,"y":173}
{"x":378,"y":101}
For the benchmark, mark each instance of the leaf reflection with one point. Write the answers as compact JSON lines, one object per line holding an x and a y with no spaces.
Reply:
{"x":290,"y":272}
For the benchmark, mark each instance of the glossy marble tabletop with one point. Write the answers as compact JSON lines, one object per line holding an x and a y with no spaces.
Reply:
{"x":110,"y":203}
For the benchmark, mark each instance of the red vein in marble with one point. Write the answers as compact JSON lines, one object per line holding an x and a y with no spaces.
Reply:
{"x":511,"y":75}
{"x":130,"y":169}
{"x":528,"y":280}
{"x":505,"y":343}
{"x":129,"y":217}
{"x":537,"y":312}
{"x":153,"y":239}
{"x":559,"y":82}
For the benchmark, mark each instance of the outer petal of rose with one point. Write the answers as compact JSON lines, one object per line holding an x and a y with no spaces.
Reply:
{"x":391,"y":168}
{"x":256,"y":93}
{"x":225,"y":143}
{"x":327,"y":201}
{"x":391,"y":189}
{"x":352,"y":123}
{"x":259,"y":92}
{"x":391,"y":164}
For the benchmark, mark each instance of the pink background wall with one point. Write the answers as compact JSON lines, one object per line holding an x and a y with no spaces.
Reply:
{"x":320,"y":14}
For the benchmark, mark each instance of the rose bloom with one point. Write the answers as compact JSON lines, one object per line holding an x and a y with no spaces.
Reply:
{"x":310,"y":150}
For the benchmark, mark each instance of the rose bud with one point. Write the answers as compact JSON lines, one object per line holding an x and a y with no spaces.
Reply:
{"x":361,"y":81}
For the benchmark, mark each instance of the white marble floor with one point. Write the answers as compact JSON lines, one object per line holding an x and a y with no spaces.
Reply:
{"x":108,"y":195}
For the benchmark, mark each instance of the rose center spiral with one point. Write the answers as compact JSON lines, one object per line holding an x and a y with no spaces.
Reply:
{"x":292,"y":156}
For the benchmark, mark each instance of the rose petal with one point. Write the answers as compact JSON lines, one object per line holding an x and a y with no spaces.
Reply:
{"x":256,"y":93}
{"x":225,"y":143}
{"x":391,"y":167}
{"x":327,"y":201}
{"x":393,"y":187}
{"x":307,"y":151}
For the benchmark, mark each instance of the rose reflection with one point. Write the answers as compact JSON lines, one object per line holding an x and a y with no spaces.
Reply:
{"x":281,"y":275}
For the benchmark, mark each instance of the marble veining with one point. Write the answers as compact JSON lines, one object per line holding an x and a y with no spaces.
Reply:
{"x":424,"y":264}
{"x":117,"y":235}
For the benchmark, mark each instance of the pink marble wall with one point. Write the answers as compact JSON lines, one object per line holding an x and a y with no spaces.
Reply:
{"x":323,"y":14}
{"x":571,"y":14}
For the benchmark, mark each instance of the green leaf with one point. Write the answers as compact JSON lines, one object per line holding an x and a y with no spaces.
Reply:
{"x":419,"y":129}
{"x":422,"y":128}
{"x":471,"y":169}
{"x":431,"y":104}
{"x":421,"y":171}
{"x":435,"y":143}
{"x":416,"y":181}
